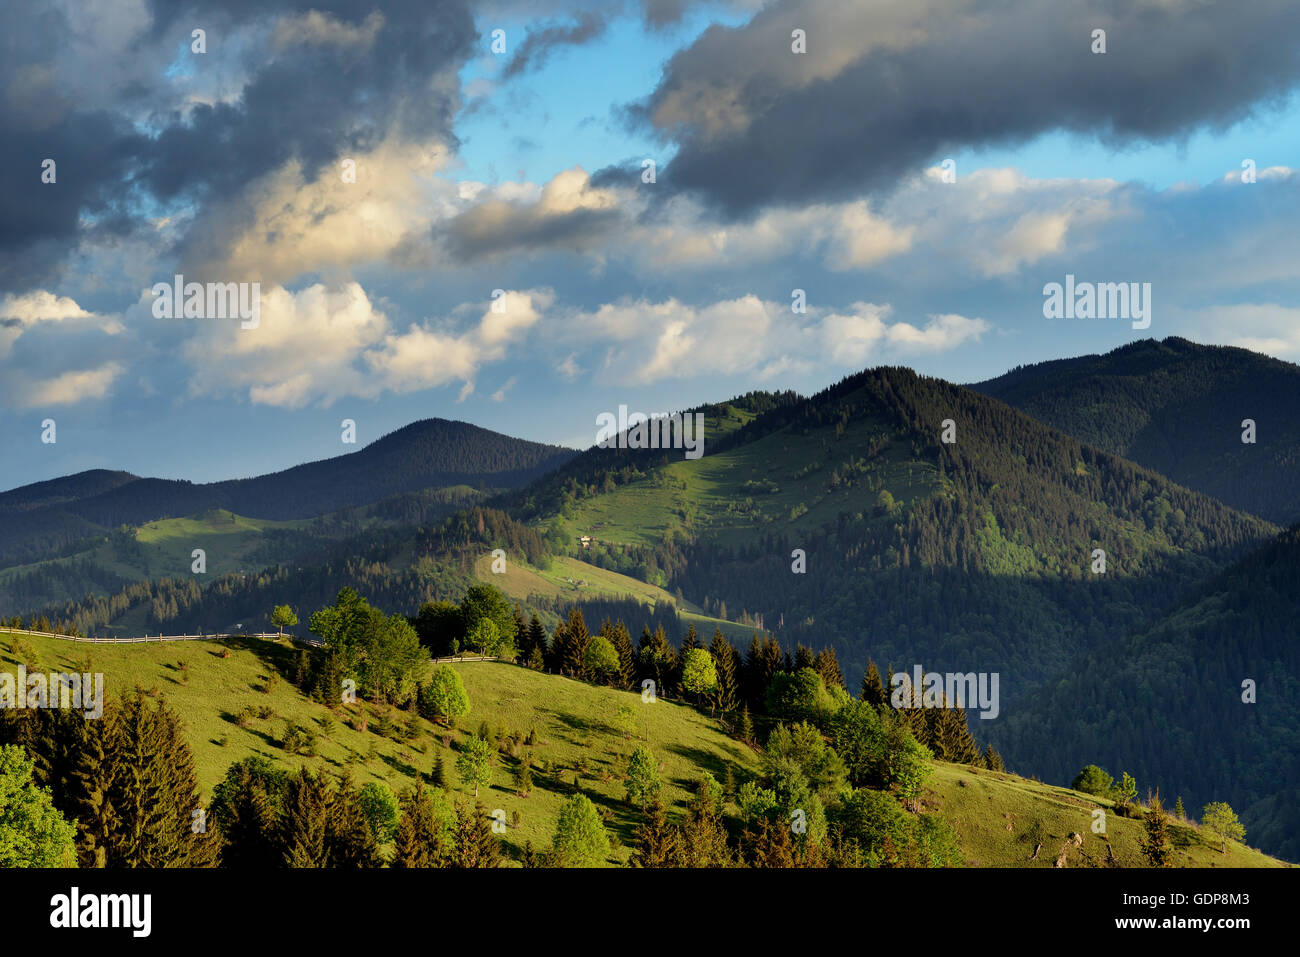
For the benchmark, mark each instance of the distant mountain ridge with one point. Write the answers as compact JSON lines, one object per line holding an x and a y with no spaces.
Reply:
{"x":40,"y":519}
{"x":1177,"y":407}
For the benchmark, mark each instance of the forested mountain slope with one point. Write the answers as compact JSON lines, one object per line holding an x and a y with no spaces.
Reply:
{"x":1166,"y":704}
{"x":971,"y":555}
{"x":1177,"y":408}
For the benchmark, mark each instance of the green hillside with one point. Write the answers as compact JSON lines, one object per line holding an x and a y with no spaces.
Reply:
{"x":999,"y":818}
{"x":573,"y":580}
{"x":232,"y":544}
{"x":574,"y":721}
{"x":580,"y":731}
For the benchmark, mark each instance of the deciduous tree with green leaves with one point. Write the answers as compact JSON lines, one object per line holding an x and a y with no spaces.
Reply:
{"x":699,"y":673}
{"x":282,"y":617}
{"x":642,"y":777}
{"x":580,"y":837}
{"x":474,"y":764}
{"x":1221,"y":820}
{"x":379,"y":805}
{"x":601,"y":659}
{"x":32,"y":832}
{"x":443,"y":698}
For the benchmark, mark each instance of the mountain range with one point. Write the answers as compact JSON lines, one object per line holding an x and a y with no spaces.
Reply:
{"x":1093,"y":530}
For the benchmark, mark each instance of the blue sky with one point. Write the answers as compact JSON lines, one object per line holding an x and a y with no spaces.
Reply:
{"x":376,"y":296}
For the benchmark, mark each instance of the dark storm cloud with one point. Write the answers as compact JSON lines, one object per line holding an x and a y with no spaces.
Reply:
{"x":663,"y":13}
{"x":539,"y":44}
{"x":885,"y":87}
{"x":496,"y":228}
{"x":91,"y":149}
{"x":314,"y":100}
{"x":319,"y":94}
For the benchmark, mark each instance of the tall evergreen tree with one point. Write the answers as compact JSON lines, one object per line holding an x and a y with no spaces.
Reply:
{"x":622,"y":640}
{"x":304,"y":832}
{"x":246,"y":809}
{"x":993,"y":760}
{"x":537,"y":636}
{"x":1155,"y":847}
{"x":655,"y":839}
{"x":656,"y":659}
{"x":724,"y":662}
{"x":558,"y":650}
{"x":577,"y":638}
{"x":476,"y":845}
{"x":418,"y":841}
{"x":828,"y":666}
{"x":155,"y":791}
{"x":689,"y":642}
{"x":521,"y":634}
{"x":349,"y":840}
{"x":873,"y":690}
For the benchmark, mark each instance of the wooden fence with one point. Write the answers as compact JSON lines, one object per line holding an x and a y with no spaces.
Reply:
{"x":316,"y":642}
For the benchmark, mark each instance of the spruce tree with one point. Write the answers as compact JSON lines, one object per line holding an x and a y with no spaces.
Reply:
{"x":521,"y":633}
{"x":536,"y":637}
{"x":828,"y":666}
{"x":993,"y":760}
{"x":622,"y":640}
{"x":1155,"y":847}
{"x":89,"y":800}
{"x":574,"y":663}
{"x":305,"y":829}
{"x":873,"y":690}
{"x":559,"y":652}
{"x":769,"y":844}
{"x":746,"y":726}
{"x":523,"y":779}
{"x":702,"y":839}
{"x":154,"y":791}
{"x":424,"y":833}
{"x":724,"y":662}
{"x":246,"y":810}
{"x":655,"y":839}
{"x":350,"y":843}
{"x":476,"y":845}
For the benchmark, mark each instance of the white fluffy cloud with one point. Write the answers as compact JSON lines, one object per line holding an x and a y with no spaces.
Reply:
{"x":321,"y":344}
{"x":286,"y":226}
{"x":70,"y":388}
{"x":62,"y":376}
{"x":650,"y":341}
{"x":1262,"y":327}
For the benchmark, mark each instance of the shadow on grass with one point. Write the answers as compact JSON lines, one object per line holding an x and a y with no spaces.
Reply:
{"x":399,"y":765}
{"x":708,"y":760}
{"x":582,"y":725}
{"x":281,"y":659}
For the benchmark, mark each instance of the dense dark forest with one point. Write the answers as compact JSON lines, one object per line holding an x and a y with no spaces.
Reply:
{"x":1171,"y":703}
{"x":1177,"y":408}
